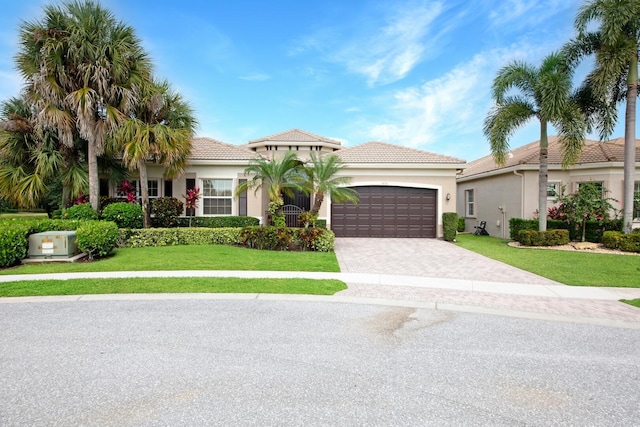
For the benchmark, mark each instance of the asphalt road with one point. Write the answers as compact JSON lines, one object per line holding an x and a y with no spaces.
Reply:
{"x":282,"y":362}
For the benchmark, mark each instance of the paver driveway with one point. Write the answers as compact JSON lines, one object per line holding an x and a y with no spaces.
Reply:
{"x":426,"y":258}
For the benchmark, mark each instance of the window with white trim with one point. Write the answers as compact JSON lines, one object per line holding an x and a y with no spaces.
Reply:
{"x":469,"y":203}
{"x":636,"y":200}
{"x":553,"y":190}
{"x":153,"y":189}
{"x":217,"y":196}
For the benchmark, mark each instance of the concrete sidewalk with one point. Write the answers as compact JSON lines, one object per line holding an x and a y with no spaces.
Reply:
{"x":538,"y":301}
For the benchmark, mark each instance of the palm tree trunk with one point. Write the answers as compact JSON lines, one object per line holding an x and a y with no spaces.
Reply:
{"x":94,"y":180}
{"x":630,"y":144}
{"x":543,"y":177}
{"x":317,"y":202}
{"x":144,"y":194}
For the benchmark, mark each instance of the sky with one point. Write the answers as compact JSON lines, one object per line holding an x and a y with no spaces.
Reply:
{"x":415,"y":73}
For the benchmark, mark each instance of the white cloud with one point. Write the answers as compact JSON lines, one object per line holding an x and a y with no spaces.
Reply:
{"x":389,"y":52}
{"x":512,"y":14}
{"x":453,"y":105}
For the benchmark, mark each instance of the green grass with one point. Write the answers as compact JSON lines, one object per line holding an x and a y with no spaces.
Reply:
{"x":173,"y":285}
{"x":192,"y":257}
{"x":570,"y":268}
{"x":634,"y":302}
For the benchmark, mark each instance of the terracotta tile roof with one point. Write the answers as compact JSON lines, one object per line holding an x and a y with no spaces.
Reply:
{"x":381,"y":152}
{"x":211,"y":149}
{"x":295,"y":135}
{"x":594,"y":152}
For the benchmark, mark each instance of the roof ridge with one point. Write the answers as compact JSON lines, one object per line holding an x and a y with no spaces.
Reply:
{"x":310,"y":134}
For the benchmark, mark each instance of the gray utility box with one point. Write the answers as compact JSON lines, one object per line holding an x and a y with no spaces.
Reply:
{"x":53,"y":244}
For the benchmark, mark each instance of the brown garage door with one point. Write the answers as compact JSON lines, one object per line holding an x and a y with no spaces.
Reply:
{"x":385,"y":211}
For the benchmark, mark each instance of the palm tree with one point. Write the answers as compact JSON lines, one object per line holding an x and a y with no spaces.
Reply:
{"x":321,"y":179}
{"x":615,"y":77}
{"x":82,"y":69}
{"x":278,"y":176}
{"x":521,"y":93}
{"x":160,"y":130}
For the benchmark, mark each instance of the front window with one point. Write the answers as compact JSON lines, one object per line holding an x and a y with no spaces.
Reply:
{"x":636,"y":200}
{"x":217,"y":196}
{"x":152,"y":188}
{"x":553,"y":190}
{"x":469,"y":202}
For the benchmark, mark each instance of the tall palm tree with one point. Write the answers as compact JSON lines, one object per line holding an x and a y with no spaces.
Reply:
{"x":522,"y":93}
{"x":614,"y":79}
{"x":279,"y":176}
{"x":160,"y":130}
{"x":321,"y":179}
{"x":82,"y":68}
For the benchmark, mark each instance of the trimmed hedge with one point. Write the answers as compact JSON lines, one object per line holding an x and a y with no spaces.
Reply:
{"x":14,"y":240}
{"x":450,"y":225}
{"x":543,"y":238}
{"x":218,"y":221}
{"x":461,"y":225}
{"x":593,"y":232}
{"x":125,"y":215}
{"x":621,"y":241}
{"x":179,"y":236}
{"x":97,"y":238}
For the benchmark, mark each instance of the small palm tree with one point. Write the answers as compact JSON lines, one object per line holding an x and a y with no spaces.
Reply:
{"x":521,"y":93}
{"x":321,"y":179}
{"x":160,"y":130}
{"x":278,"y":176}
{"x":614,"y":79}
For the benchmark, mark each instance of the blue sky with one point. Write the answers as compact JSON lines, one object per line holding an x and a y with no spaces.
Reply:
{"x":413,"y":73}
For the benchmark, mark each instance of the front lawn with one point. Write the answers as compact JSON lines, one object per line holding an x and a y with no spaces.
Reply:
{"x":172,"y":285}
{"x":568,"y":267}
{"x":191,"y":257}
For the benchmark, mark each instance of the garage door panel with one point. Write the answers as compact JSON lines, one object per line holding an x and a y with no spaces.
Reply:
{"x":386,"y":211}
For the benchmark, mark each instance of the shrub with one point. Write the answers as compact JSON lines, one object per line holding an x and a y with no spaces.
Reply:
{"x":266,"y":237}
{"x":179,"y":236}
{"x":97,"y":238}
{"x":166,"y":211}
{"x":543,"y":238}
{"x":13,"y":244}
{"x":321,"y":223}
{"x":219,"y":221}
{"x":125,"y":215}
{"x":461,"y":225}
{"x":517,"y":224}
{"x":81,"y":211}
{"x":593,"y":229}
{"x":618,"y":240}
{"x":450,"y":225}
{"x":325,"y":241}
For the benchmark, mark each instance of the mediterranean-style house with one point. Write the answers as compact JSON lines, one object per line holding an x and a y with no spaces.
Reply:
{"x":403,"y":191}
{"x":495,"y":194}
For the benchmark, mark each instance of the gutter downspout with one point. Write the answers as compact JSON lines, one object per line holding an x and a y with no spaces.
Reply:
{"x":521,"y":193}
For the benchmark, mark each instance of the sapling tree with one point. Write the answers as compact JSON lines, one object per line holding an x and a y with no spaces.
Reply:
{"x":588,"y":203}
{"x":191,"y":201}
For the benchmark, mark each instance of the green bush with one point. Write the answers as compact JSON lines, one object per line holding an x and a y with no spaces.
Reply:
{"x":26,"y":216}
{"x":97,"y":238}
{"x":166,"y":211}
{"x":125,"y":215}
{"x":543,"y":238}
{"x":82,"y":211}
{"x":321,"y":223}
{"x":450,"y":225}
{"x":267,"y":237}
{"x":593,"y":230}
{"x":218,"y":221}
{"x":325,"y":241}
{"x":14,"y":240}
{"x":178,"y":236}
{"x":618,"y":240}
{"x":612,"y":239}
{"x":461,"y":225}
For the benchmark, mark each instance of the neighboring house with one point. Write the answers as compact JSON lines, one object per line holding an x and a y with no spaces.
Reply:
{"x":495,"y":194}
{"x":403,"y":191}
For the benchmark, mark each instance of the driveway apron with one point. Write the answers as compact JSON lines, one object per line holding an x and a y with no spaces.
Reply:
{"x":426,"y":258}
